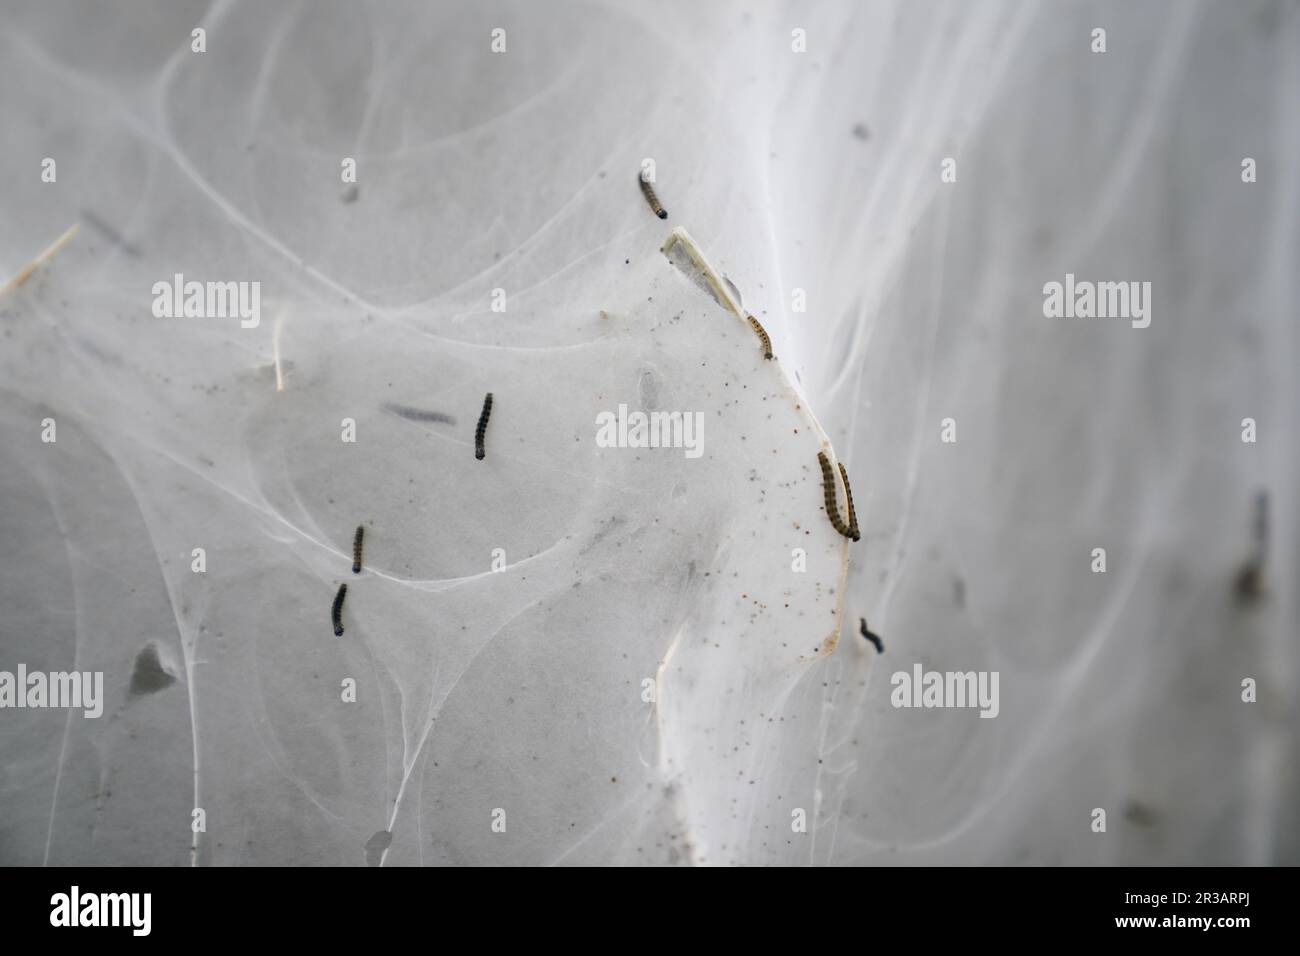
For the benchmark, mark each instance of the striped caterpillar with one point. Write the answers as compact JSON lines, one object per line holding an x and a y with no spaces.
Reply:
{"x":828,"y":490}
{"x":336,"y":613}
{"x":848,"y":493}
{"x":762,"y":334}
{"x":356,"y":548}
{"x":482,"y":427}
{"x":649,"y":192}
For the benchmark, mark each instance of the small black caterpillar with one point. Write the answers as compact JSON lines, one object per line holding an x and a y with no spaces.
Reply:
{"x":418,"y":414}
{"x":828,"y":489}
{"x":848,"y":493}
{"x":873,"y":638}
{"x":650,"y":197}
{"x":482,"y":427}
{"x":762,"y":334}
{"x":356,"y":549}
{"x":336,"y":613}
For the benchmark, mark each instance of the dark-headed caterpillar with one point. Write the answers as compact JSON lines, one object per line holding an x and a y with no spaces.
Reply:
{"x":482,"y":427}
{"x":356,"y":548}
{"x":828,"y":490}
{"x":336,"y":613}
{"x":762,"y":334}
{"x":848,"y":494}
{"x":649,"y":192}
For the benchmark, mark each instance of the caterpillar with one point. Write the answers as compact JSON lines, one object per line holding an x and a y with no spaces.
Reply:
{"x":873,"y":638}
{"x":356,"y":549}
{"x":828,"y":490}
{"x":418,"y":414}
{"x":482,"y":427}
{"x":848,"y":494}
{"x":649,"y":192}
{"x":762,"y":334}
{"x":336,"y":612}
